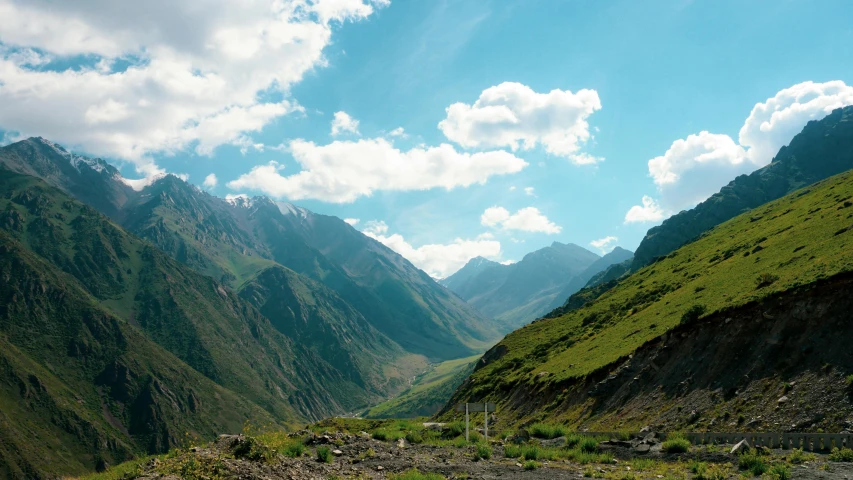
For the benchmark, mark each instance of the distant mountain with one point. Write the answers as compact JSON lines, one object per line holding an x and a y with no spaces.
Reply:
{"x":518,"y":293}
{"x":617,"y":256}
{"x":824,"y":148}
{"x":233,"y":241}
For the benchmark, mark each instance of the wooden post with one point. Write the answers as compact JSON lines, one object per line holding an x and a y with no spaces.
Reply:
{"x":486,"y":425}
{"x":466,"y":423}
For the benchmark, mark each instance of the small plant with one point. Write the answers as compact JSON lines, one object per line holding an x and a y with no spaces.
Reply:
{"x":753,"y":463}
{"x":414,"y":437}
{"x":676,"y":443}
{"x":531,"y":465}
{"x":454,"y":429}
{"x":779,"y":472}
{"x":692,"y":314}
{"x":483,"y":452}
{"x":798,"y":456}
{"x":641,"y":464}
{"x":324,"y":454}
{"x":850,"y":380}
{"x":765,"y":280}
{"x":512,"y":451}
{"x":697,"y":468}
{"x":841,"y":455}
{"x":547,"y":431}
{"x":713,"y":472}
{"x":588,"y":445}
{"x":294,"y":450}
{"x":531,"y":452}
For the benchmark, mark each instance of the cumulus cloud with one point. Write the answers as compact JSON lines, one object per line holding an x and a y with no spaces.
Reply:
{"x":398,"y":132}
{"x":160,"y":76}
{"x":528,"y":219}
{"x":438,"y":260}
{"x":513,"y":115}
{"x":344,"y":123}
{"x":694,"y":168}
{"x":649,"y":211}
{"x":530,"y":191}
{"x":606,"y":244}
{"x":210,"y":181}
{"x":341,"y":172}
{"x":352,"y":221}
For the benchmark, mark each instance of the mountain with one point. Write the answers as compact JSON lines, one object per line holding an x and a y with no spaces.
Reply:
{"x":824,"y":148}
{"x":520,"y":292}
{"x":233,"y":241}
{"x":615,"y":257}
{"x":706,"y":338}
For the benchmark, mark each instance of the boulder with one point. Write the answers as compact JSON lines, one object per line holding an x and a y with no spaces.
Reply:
{"x":642,"y":448}
{"x":555,"y":442}
{"x":741,"y":446}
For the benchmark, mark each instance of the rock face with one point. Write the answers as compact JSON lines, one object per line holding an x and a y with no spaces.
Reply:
{"x":824,"y":148}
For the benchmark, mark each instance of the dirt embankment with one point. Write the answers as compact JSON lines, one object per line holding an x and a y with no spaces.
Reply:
{"x":777,"y":365}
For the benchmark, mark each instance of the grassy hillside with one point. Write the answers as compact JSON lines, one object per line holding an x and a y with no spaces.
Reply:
{"x":429,"y":391}
{"x":795,"y":241}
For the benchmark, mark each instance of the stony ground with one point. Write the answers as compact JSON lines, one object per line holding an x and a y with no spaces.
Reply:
{"x":359,"y":456}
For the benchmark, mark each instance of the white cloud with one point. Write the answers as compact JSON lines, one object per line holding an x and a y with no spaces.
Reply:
{"x":513,"y":115}
{"x":352,"y":221}
{"x":649,"y":211}
{"x":398,"y":132}
{"x":438,"y":260}
{"x":344,"y":123}
{"x":512,"y":188}
{"x":210,"y":181}
{"x":341,"y":172}
{"x":606,"y":244}
{"x":530,"y":191}
{"x":528,"y":219}
{"x":695,"y":168}
{"x":158,"y":76}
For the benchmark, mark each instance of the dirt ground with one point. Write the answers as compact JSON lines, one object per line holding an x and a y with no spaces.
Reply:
{"x":361,"y":457}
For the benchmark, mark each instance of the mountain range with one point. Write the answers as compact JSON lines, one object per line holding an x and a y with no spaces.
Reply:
{"x":518,"y":293}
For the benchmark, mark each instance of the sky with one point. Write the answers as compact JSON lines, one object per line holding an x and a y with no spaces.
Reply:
{"x":446,"y":129}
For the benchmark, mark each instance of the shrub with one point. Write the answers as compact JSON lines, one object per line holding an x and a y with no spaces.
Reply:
{"x":843,"y":455}
{"x":697,"y":468}
{"x":753,"y":463}
{"x":547,"y":431}
{"x":294,"y":450}
{"x":713,"y":472}
{"x":765,"y":279}
{"x":324,"y":454}
{"x":414,"y":474}
{"x":798,"y":456}
{"x":483,"y":452}
{"x":512,"y":451}
{"x":779,"y":472}
{"x":454,"y":429}
{"x":588,"y":445}
{"x":676,"y":443}
{"x":692,"y":314}
{"x":414,"y":437}
{"x":531,"y":452}
{"x":531,"y":465}
{"x":850,"y":380}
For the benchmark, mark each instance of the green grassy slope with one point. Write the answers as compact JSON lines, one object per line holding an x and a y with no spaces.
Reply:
{"x":794,"y":241}
{"x":428,"y":393}
{"x":79,"y":386}
{"x":193,"y":316}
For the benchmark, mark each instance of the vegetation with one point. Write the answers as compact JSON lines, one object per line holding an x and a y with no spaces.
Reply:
{"x":547,"y":431}
{"x":324,"y":454}
{"x":414,"y":474}
{"x":799,"y":247}
{"x":531,"y":465}
{"x":841,"y":455}
{"x":753,"y":463}
{"x":676,"y":443}
{"x":483,"y":452}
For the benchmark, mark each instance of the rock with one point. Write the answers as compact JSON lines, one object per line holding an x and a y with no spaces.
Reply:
{"x":741,"y":446}
{"x":401,"y":443}
{"x":555,"y":442}
{"x":642,"y":448}
{"x":337,"y":452}
{"x":521,"y":436}
{"x":434,"y":425}
{"x":380,"y":468}
{"x":645,"y":429}
{"x":782,"y":399}
{"x":517,"y":464}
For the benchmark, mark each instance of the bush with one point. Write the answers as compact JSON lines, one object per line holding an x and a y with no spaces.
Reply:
{"x":324,"y":454}
{"x":850,"y":380}
{"x":713,"y":472}
{"x":765,"y":280}
{"x":531,"y":452}
{"x":692,"y":314}
{"x":512,"y":451}
{"x":483,"y":452}
{"x":531,"y":465}
{"x":547,"y":431}
{"x":454,"y":429}
{"x":798,"y":456}
{"x":676,"y":443}
{"x":753,"y":463}
{"x":843,"y":455}
{"x":588,"y":445}
{"x":294,"y":450}
{"x":779,"y":472}
{"x":414,"y":437}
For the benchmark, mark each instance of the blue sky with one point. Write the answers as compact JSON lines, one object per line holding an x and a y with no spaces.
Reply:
{"x":708,"y":89}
